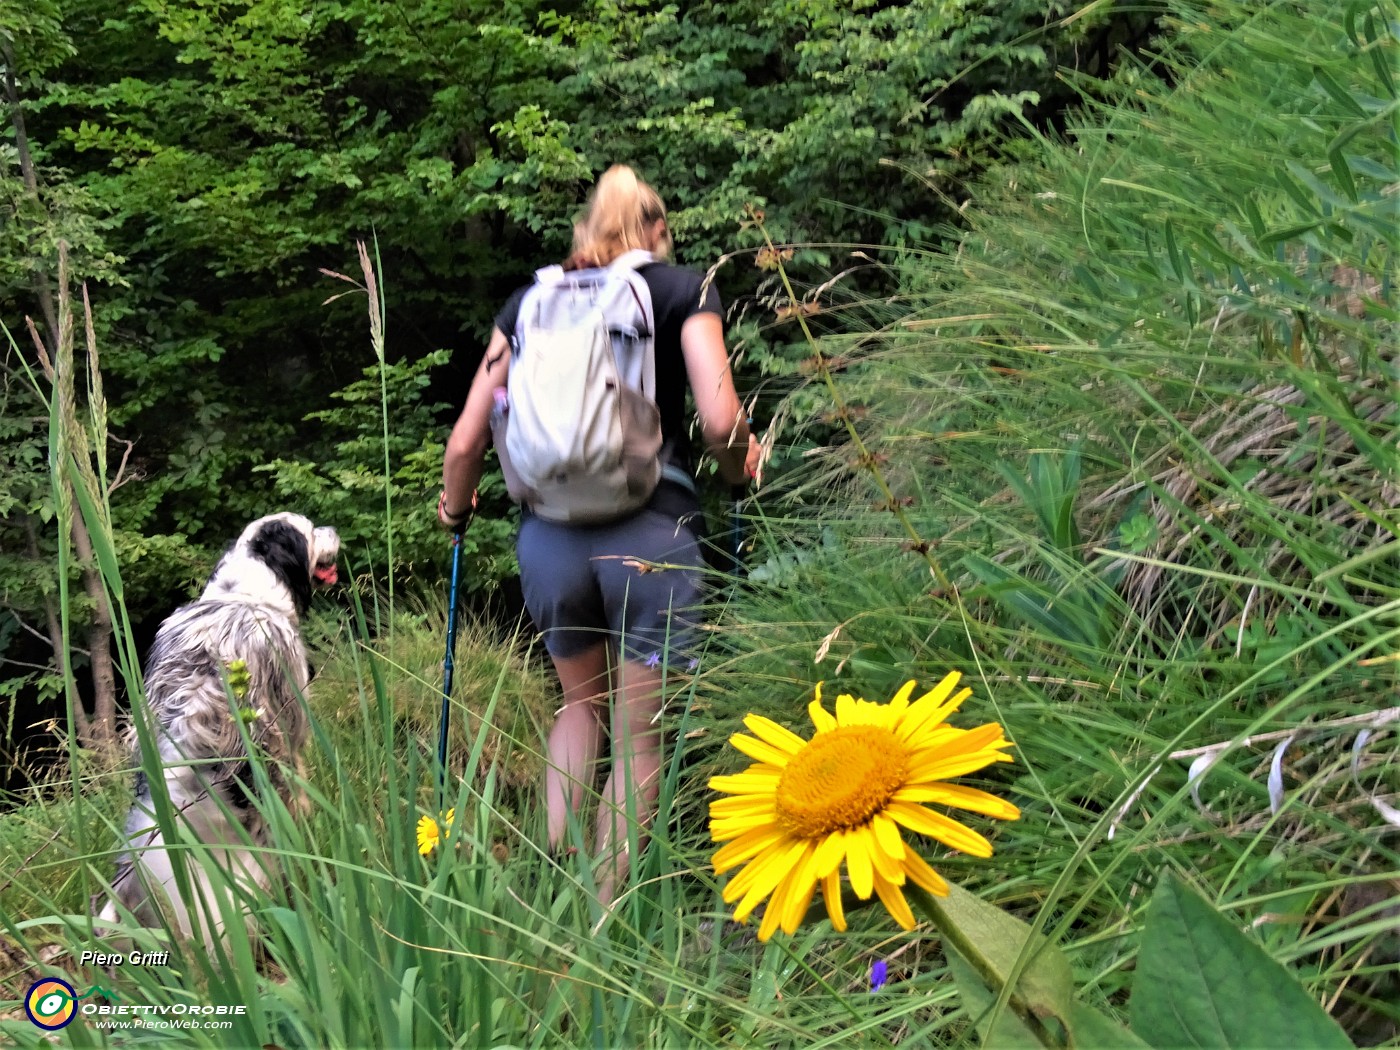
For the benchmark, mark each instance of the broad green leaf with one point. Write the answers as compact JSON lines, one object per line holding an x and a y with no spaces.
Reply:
{"x":992,"y":941}
{"x":1008,"y":1031}
{"x":1094,"y":1030}
{"x":1202,"y":983}
{"x":1046,"y":982}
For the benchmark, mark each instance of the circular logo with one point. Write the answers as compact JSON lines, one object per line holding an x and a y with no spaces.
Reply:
{"x":51,"y":1003}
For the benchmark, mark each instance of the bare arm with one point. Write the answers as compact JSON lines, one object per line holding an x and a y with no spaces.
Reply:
{"x":722,"y":418}
{"x":466,"y":445}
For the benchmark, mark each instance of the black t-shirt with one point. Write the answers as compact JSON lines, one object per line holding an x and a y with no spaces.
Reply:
{"x":677,"y":294}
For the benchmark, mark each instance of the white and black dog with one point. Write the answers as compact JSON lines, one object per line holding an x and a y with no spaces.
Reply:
{"x":233,"y":656}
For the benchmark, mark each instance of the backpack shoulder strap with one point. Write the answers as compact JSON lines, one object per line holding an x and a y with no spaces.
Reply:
{"x":624,"y":268}
{"x":546,"y":278}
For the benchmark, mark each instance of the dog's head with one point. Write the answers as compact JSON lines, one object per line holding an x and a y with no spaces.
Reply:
{"x":281,"y":551}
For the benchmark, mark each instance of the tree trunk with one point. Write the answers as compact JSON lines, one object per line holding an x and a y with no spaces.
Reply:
{"x":101,"y":725}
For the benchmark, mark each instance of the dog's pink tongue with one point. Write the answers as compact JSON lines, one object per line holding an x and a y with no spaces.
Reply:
{"x":326,"y":576}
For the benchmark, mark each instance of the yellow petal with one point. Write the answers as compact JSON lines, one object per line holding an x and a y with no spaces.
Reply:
{"x":749,"y":844}
{"x":932,"y":736}
{"x":797,"y":893}
{"x":725,"y":828}
{"x":925,"y":770}
{"x":741,"y":883}
{"x":755,"y":781}
{"x":870,"y":713}
{"x":920,"y":874}
{"x":943,"y":689}
{"x":845,"y":709}
{"x":963,"y":751}
{"x":935,"y":696}
{"x":981,"y":738}
{"x":772,"y":873}
{"x":931,"y":709}
{"x":741,"y":805}
{"x":944,"y":829}
{"x":962,"y":797}
{"x":428,"y":835}
{"x":830,"y":852}
{"x":922,"y":729}
{"x":831,"y":893}
{"x":859,"y":864}
{"x":853,"y":711}
{"x":820,"y":718}
{"x":894,"y":902}
{"x":899,"y":703}
{"x":771,"y":915}
{"x":769,"y":731}
{"x":760,"y":750}
{"x":886,"y":834}
{"x":885,"y":866}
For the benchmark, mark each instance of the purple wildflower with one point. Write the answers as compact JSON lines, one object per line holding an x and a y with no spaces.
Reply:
{"x":654,"y":660}
{"x":878,"y":972}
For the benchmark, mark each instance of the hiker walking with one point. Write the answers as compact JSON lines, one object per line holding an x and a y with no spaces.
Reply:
{"x":583,"y":389}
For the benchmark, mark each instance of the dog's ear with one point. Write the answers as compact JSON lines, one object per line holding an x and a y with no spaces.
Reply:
{"x":284,"y":550}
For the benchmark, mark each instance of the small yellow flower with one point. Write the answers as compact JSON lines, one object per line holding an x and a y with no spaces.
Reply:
{"x":430,"y":835}
{"x":805,"y":806}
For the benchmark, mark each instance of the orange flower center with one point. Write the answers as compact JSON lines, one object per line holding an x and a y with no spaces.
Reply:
{"x":840,"y":779}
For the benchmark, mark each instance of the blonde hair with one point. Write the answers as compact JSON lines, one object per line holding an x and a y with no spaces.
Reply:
{"x":620,"y":213}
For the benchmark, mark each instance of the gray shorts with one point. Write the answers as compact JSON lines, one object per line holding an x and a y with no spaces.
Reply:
{"x":580,"y":589}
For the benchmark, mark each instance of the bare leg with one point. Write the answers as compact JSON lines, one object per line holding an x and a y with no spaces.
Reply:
{"x":576,"y":737}
{"x":635,"y":780}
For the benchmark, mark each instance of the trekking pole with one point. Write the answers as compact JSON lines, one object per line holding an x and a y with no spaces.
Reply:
{"x":448,"y":663}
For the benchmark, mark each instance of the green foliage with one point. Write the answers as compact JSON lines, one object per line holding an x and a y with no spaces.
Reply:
{"x":346,"y":486}
{"x":807,"y":109}
{"x":33,"y":37}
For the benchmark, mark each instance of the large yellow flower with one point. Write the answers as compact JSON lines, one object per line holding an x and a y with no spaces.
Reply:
{"x":807,"y":805}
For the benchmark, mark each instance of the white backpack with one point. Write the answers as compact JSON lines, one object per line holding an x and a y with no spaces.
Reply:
{"x":579,"y":433}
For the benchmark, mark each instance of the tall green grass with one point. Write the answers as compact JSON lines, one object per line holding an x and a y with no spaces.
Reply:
{"x":1139,"y":424}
